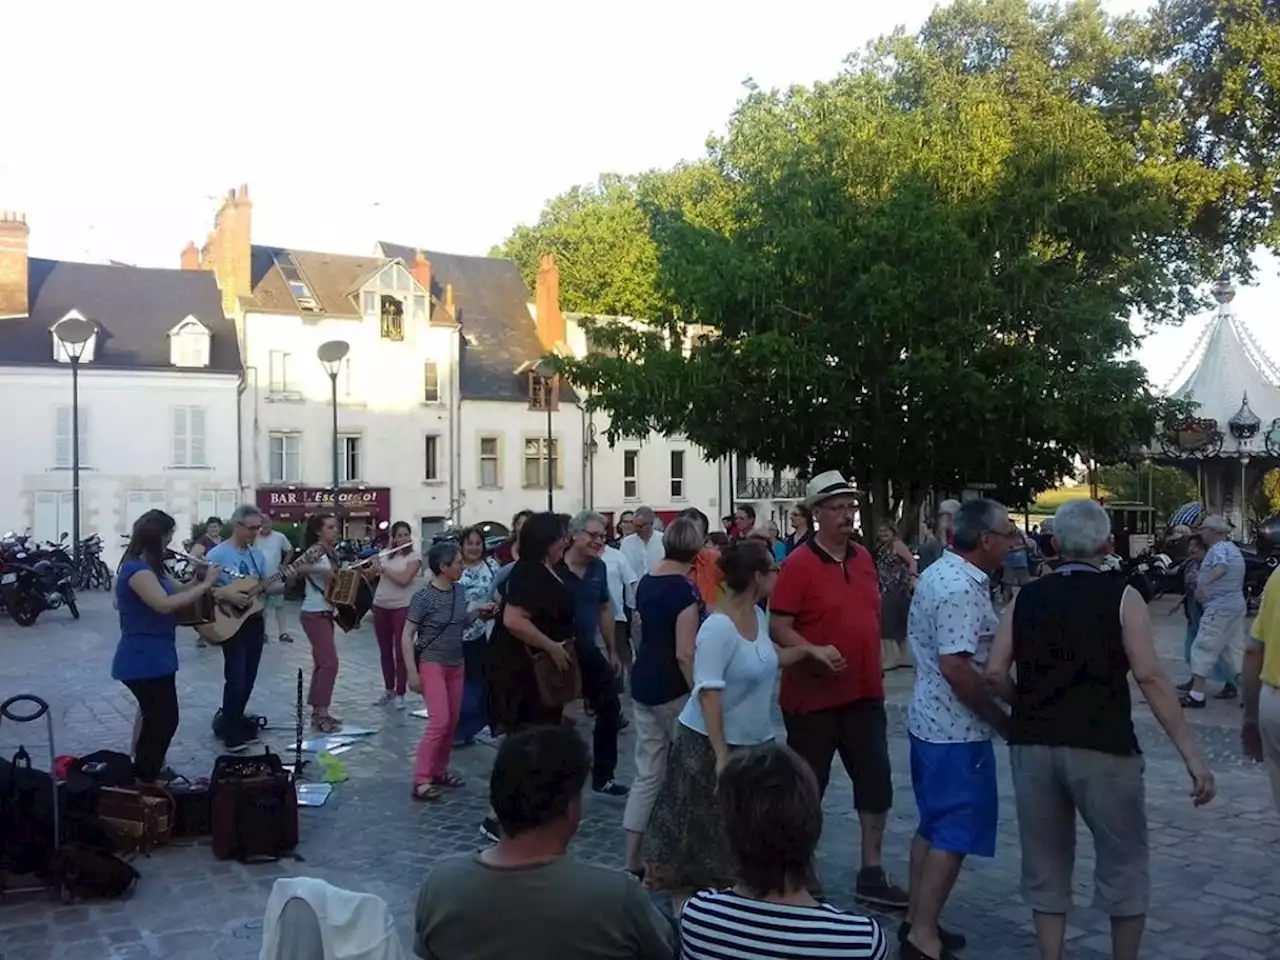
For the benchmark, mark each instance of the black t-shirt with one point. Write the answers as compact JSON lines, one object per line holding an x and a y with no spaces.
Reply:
{"x":541,"y":594}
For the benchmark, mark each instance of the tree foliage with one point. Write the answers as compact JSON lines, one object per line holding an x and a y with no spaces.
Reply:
{"x":1167,"y":487}
{"x":921,"y":271}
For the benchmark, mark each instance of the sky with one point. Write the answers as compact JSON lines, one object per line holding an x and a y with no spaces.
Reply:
{"x":440,"y":125}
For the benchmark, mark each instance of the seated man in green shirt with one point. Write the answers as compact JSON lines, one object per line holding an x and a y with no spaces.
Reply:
{"x":526,"y":897}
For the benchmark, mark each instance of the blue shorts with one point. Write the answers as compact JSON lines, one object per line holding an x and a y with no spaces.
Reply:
{"x":955,"y":787}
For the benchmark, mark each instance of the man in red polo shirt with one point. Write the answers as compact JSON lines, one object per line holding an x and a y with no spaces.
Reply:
{"x":828,"y":593}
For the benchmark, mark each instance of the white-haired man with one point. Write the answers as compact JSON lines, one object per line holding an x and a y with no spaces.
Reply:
{"x":943,"y":533}
{"x":1075,"y":636}
{"x":642,"y":548}
{"x":1220,"y":587}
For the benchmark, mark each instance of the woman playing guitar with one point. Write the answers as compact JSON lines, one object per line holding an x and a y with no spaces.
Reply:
{"x":317,"y":620}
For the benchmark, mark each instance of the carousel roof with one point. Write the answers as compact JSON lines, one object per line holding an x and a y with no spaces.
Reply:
{"x":1231,"y":379}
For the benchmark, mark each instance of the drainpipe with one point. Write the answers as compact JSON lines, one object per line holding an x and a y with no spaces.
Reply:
{"x":455,"y":428}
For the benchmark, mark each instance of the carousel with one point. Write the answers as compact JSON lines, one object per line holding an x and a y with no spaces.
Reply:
{"x":1233,"y":436}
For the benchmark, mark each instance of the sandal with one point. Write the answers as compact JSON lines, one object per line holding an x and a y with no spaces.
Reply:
{"x":426,"y":793}
{"x":450,"y":779}
{"x":326,"y":724}
{"x":285,"y":638}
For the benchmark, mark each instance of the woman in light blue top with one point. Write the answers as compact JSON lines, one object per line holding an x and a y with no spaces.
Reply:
{"x":735,"y":673}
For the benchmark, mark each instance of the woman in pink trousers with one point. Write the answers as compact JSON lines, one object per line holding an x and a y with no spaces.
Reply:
{"x":432,"y":643}
{"x":397,"y":575}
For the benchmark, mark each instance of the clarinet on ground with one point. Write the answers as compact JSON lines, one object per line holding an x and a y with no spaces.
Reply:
{"x":297,"y":745}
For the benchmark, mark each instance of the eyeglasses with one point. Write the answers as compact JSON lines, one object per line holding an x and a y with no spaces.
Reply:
{"x":252,"y":527}
{"x":596,"y":535}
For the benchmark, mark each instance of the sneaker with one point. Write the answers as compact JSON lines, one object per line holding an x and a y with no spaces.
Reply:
{"x":386,"y":698}
{"x":400,"y":701}
{"x":489,"y":829}
{"x":1228,"y":692}
{"x":242,"y":740}
{"x":612,"y":788}
{"x":1191,"y":703}
{"x":950,"y":941}
{"x":1184,"y":687}
{"x":876,"y":887}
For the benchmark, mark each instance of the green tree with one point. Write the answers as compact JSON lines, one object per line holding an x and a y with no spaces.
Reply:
{"x":920,"y":271}
{"x":1168,"y":487}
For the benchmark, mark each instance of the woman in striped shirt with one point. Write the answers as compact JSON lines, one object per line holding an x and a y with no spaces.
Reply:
{"x":772,"y":814}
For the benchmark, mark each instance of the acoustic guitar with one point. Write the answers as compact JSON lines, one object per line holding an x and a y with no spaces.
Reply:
{"x":242,"y":598}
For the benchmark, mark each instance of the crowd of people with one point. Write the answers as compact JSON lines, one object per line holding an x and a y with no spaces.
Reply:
{"x":711,"y":632}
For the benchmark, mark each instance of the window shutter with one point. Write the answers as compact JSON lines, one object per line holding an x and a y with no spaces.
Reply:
{"x":208,"y":505}
{"x":180,"y":436}
{"x":84,"y":436}
{"x":62,"y":445}
{"x":196,"y":425}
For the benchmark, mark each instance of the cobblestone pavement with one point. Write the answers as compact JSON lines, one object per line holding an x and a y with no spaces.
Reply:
{"x":1215,"y":872}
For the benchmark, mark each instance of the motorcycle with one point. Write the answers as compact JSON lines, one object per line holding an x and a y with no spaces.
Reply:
{"x":35,"y":577}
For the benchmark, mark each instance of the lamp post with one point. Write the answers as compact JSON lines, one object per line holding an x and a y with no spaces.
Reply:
{"x":547,"y":372}
{"x":1244,"y":497}
{"x":331,"y":354}
{"x":74,"y":335}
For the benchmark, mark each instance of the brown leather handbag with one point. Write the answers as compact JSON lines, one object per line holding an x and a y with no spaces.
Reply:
{"x":556,"y":687}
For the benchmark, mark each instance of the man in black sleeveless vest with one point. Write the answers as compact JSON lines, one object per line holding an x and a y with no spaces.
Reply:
{"x":1074,"y":636}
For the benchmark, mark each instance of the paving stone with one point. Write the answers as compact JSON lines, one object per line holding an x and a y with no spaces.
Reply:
{"x":1215,"y":871}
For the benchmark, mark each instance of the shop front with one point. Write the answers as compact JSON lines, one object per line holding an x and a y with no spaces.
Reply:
{"x":361,"y":511}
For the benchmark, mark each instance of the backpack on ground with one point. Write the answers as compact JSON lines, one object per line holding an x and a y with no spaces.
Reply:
{"x":81,"y":872}
{"x":107,"y":768}
{"x":253,"y":808}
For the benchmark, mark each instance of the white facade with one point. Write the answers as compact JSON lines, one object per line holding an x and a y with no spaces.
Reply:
{"x":396,"y":399}
{"x":503,"y":467}
{"x":165,"y":440}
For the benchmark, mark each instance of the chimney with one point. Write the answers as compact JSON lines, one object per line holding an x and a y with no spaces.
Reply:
{"x":190,"y":257}
{"x":13,"y":265}
{"x":547,"y":316}
{"x":227,"y":251}
{"x":421,"y":270}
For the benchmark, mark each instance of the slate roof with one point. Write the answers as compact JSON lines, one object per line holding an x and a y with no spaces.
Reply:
{"x":332,"y":278}
{"x":492,"y":301}
{"x":134,"y":309}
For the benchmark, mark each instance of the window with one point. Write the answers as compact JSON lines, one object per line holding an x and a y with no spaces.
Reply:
{"x":285,"y":462}
{"x":138,"y":502}
{"x":489,"y":462}
{"x":630,"y":474}
{"x":298,"y":288}
{"x":677,"y":474}
{"x":392,"y":318}
{"x":419,"y":308}
{"x":217,"y":503}
{"x":188,"y":437}
{"x":189,"y":345}
{"x":280,"y":364}
{"x":350,"y":463}
{"x":370,"y":300}
{"x":62,"y":446}
{"x":51,"y":514}
{"x":431,"y":382}
{"x":535,"y":463}
{"x":431,"y":458}
{"x":543,"y":392}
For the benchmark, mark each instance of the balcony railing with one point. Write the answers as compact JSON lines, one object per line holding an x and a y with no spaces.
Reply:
{"x":768,"y":488}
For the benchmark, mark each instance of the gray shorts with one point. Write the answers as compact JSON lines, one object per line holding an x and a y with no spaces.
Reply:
{"x":1050,"y":784}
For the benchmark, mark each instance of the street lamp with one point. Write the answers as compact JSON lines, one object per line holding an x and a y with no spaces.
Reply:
{"x":1244,"y":494}
{"x":74,"y":334}
{"x":331,"y":354}
{"x":547,"y":371}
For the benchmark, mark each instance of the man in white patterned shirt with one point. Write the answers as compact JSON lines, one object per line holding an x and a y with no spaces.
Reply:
{"x":951,"y":720}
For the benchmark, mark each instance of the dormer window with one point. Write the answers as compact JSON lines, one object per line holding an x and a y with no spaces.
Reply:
{"x":189,"y":344}
{"x":543,"y":393}
{"x":84,"y":351}
{"x":392,"y":318}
